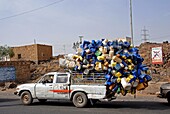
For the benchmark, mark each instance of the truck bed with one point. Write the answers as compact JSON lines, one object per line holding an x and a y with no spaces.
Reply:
{"x":89,"y":79}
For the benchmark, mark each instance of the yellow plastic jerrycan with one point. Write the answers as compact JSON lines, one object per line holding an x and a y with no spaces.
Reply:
{"x":100,"y":58}
{"x":124,"y":57}
{"x":99,"y":65}
{"x":112,"y":64}
{"x":77,"y":58}
{"x":130,"y":67}
{"x":118,"y":80}
{"x":118,"y":74}
{"x":129,"y":78}
{"x":117,"y":59}
{"x":106,"y":63}
{"x":129,"y":60}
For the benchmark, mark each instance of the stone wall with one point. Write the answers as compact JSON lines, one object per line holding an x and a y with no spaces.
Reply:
{"x":22,"y":69}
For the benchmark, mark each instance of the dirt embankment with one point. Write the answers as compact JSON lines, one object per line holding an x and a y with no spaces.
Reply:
{"x":160,"y":72}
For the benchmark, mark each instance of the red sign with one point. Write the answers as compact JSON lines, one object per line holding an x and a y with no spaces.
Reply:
{"x":157,"y":55}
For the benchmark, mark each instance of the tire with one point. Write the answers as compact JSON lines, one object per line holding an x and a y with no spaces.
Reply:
{"x":26,"y":98}
{"x":80,"y":100}
{"x":42,"y":100}
{"x":168,"y":98}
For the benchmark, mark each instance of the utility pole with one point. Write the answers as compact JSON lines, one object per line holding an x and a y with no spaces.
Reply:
{"x":131,"y":22}
{"x":145,"y":34}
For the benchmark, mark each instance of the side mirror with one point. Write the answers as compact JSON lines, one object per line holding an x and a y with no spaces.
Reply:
{"x":43,"y":82}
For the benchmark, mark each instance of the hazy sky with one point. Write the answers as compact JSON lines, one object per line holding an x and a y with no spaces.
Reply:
{"x":62,"y":24}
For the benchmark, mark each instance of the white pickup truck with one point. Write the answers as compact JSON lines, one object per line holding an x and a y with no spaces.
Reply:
{"x":80,"y":89}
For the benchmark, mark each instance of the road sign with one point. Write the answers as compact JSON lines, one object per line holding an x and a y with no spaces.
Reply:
{"x":157,"y":55}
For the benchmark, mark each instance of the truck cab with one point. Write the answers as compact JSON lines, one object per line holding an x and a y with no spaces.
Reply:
{"x":53,"y":85}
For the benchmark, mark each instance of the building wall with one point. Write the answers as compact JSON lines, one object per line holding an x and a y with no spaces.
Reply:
{"x":44,"y":52}
{"x":35,"y":52}
{"x":27,"y":53}
{"x":22,"y":69}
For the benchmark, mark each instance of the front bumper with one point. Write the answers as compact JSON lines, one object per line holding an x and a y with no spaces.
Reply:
{"x":160,"y":95}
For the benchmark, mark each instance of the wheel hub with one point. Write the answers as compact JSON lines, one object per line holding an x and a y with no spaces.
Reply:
{"x":80,"y":99}
{"x":26,"y":98}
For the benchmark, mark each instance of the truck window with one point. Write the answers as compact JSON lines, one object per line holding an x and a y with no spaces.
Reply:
{"x":62,"y":78}
{"x":47,"y":79}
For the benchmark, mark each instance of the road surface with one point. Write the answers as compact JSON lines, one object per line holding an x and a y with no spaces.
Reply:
{"x":143,"y":104}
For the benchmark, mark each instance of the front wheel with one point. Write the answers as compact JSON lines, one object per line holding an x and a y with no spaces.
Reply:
{"x":26,"y":98}
{"x":80,"y":100}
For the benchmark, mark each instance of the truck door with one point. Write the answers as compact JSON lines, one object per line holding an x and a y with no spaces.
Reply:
{"x":61,"y":87}
{"x":44,"y":87}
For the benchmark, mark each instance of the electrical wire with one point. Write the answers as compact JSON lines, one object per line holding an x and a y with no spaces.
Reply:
{"x":30,"y":11}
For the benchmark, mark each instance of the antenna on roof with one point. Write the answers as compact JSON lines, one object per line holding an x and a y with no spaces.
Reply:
{"x":34,"y":41}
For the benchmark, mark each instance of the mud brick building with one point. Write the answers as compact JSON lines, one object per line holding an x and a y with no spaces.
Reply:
{"x":35,"y":52}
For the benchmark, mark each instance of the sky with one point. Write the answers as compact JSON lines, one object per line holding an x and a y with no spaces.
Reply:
{"x":61,"y":24}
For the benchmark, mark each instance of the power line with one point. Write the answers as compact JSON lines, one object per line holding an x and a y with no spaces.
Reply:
{"x":30,"y":11}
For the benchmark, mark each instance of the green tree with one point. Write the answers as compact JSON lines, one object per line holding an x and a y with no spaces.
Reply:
{"x":6,"y":51}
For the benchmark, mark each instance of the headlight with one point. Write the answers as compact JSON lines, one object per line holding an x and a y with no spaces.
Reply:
{"x":17,"y":88}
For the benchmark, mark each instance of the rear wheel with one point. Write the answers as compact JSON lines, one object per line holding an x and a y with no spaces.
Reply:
{"x":26,"y":98}
{"x":168,"y":98}
{"x":80,"y":100}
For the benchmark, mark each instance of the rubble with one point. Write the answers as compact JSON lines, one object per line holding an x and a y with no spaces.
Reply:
{"x":38,"y":70}
{"x":159,"y":72}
